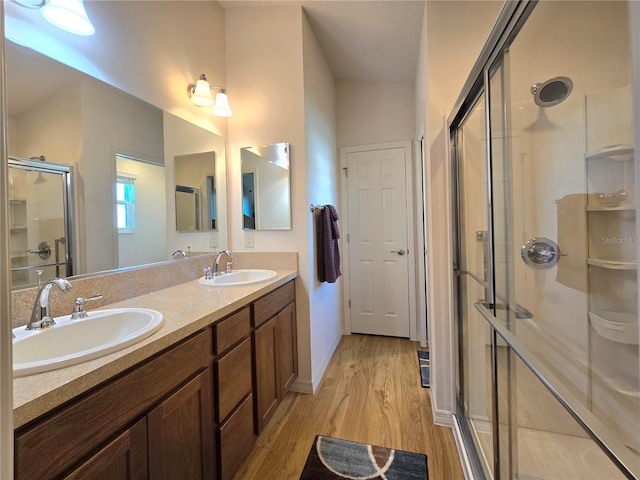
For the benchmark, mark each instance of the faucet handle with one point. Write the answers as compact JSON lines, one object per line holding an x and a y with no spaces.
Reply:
{"x":207,"y":273}
{"x":227,"y":269}
{"x":79,"y":311}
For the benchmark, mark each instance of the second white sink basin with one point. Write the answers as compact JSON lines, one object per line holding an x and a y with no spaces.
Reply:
{"x":239,"y":277}
{"x":69,"y":341}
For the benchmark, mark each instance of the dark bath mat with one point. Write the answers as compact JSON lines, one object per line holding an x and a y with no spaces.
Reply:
{"x":332,"y":458}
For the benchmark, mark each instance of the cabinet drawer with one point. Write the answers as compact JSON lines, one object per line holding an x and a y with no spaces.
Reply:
{"x":233,"y":379}
{"x":231,"y":330}
{"x":80,"y":427}
{"x":267,"y":306}
{"x":236,"y":439}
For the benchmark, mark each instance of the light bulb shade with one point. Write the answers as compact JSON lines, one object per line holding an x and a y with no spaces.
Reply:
{"x":69,"y":15}
{"x":201,"y":94}
{"x":221,"y":108}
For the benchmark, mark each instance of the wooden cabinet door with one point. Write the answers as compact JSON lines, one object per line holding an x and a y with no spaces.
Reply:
{"x":181,"y":433}
{"x":266,"y":372}
{"x":287,"y":348}
{"x":124,"y":458}
{"x":236,"y":438}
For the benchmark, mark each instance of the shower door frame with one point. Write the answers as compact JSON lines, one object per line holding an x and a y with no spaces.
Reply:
{"x":511,"y":19}
{"x":67,"y":200}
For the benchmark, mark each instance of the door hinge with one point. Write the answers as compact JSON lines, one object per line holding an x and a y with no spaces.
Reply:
{"x":346,"y":171}
{"x":349,"y":303}
{"x":347,"y":238}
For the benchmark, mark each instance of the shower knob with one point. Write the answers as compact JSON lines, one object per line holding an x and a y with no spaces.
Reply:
{"x":43,"y":250}
{"x":540,"y":252}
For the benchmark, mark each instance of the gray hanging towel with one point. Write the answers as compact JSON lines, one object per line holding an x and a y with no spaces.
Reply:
{"x":328,"y":252}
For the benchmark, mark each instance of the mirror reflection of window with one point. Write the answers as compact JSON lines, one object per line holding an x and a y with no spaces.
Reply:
{"x":126,"y":202}
{"x":143,"y":212}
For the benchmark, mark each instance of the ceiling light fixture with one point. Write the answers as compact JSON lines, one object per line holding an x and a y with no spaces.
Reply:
{"x":68,"y":15}
{"x":200,"y":95}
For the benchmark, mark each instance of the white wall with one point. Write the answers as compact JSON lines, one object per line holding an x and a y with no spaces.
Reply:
{"x":278,"y":76}
{"x":369,"y":113}
{"x":322,"y":189}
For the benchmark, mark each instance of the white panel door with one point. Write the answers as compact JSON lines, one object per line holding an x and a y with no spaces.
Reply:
{"x":377,"y":227}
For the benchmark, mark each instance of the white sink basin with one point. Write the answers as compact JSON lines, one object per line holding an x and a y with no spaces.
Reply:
{"x":69,"y":342}
{"x":239,"y":277}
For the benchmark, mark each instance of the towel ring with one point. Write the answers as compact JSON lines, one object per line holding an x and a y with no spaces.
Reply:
{"x":313,"y":208}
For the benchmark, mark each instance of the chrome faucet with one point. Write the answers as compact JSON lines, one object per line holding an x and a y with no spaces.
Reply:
{"x":216,"y":262}
{"x":180,"y":252}
{"x":40,"y":315}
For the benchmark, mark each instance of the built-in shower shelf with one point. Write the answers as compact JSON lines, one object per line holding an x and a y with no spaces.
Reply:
{"x":618,"y":327}
{"x":612,"y":264}
{"x":623,"y":386}
{"x":611,"y":208}
{"x":620,"y":153}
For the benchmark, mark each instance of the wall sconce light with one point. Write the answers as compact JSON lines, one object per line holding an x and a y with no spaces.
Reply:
{"x":69,"y":15}
{"x":200,"y":95}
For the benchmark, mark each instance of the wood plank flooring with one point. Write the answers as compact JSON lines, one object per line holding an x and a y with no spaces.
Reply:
{"x":371,"y":393}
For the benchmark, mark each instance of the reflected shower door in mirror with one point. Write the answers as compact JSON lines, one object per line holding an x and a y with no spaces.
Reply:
{"x":39,"y":220}
{"x":266,"y":188}
{"x":195,"y":192}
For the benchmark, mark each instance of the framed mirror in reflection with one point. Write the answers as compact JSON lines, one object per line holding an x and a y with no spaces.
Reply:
{"x":266,"y":187}
{"x":195,"y":192}
{"x":121,"y":150}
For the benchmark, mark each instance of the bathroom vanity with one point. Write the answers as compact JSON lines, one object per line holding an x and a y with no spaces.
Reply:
{"x":188,"y":402}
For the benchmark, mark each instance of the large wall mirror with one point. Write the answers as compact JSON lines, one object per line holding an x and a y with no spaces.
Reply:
{"x":121,"y":150}
{"x":266,"y":188}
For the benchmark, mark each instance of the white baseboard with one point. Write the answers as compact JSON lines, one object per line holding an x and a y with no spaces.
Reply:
{"x":309,"y":387}
{"x":443,"y":418}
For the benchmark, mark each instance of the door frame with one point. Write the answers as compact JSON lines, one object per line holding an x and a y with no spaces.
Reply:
{"x":415,"y":331}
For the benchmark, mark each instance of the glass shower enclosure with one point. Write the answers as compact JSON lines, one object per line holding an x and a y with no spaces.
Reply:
{"x":40,"y":221}
{"x":544,"y":158}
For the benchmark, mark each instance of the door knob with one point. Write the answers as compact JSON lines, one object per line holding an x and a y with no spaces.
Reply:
{"x":399,"y":252}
